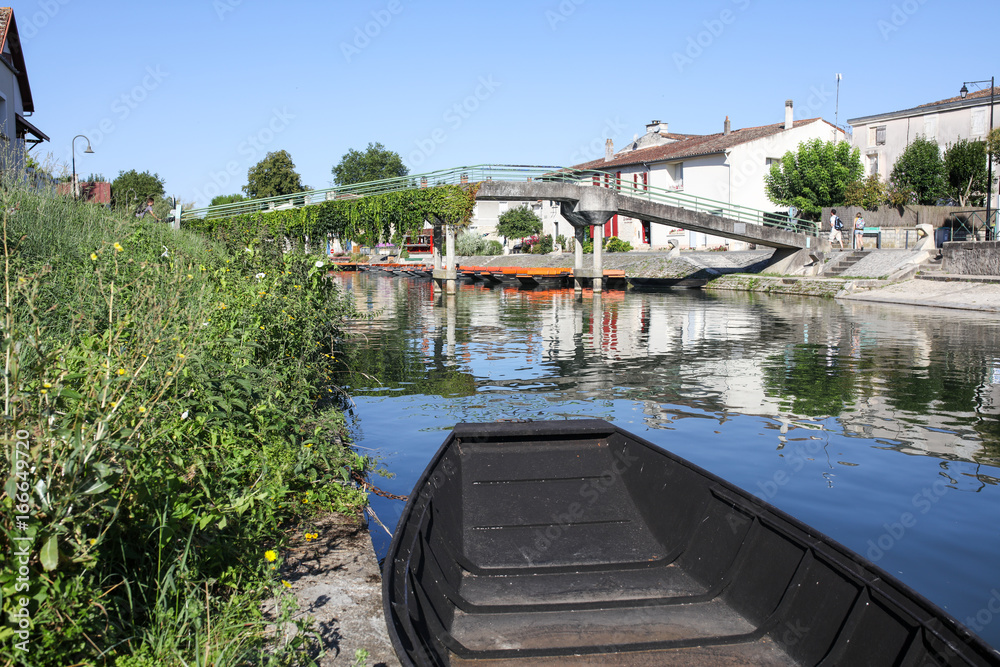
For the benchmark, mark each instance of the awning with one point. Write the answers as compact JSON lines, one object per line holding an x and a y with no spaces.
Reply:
{"x":24,"y":128}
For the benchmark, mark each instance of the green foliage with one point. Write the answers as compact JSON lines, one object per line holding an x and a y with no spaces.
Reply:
{"x":615,"y":244}
{"x":921,"y":169}
{"x":965,"y":165}
{"x":871,"y":192}
{"x":178,"y":416}
{"x":518,"y":223}
{"x":273,"y":176}
{"x":608,"y":244}
{"x":493,"y":247}
{"x":131,"y":189}
{"x":221,"y":200}
{"x":368,"y":221}
{"x":375,"y":164}
{"x":815,"y":176}
{"x":469,"y":243}
{"x":542,"y":245}
{"x":95,"y":178}
{"x":993,"y":143}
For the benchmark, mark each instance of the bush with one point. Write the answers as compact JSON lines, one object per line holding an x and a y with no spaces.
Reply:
{"x":169,"y":416}
{"x":469,"y":244}
{"x":615,"y":244}
{"x":611,"y":244}
{"x":542,"y":245}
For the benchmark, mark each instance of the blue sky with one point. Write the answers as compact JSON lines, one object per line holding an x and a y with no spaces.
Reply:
{"x":199,"y":91}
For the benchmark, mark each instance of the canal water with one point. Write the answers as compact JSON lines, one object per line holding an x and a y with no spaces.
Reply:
{"x":877,"y":424}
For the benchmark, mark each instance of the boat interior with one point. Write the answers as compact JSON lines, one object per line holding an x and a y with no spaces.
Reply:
{"x":547,"y":546}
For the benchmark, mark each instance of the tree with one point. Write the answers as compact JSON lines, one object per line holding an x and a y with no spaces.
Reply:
{"x":374,"y":164}
{"x":273,"y":176}
{"x":815,"y":176}
{"x":921,"y":169}
{"x":518,"y":223}
{"x":871,"y":192}
{"x":132,"y":188}
{"x":965,"y":164}
{"x":226,"y":199}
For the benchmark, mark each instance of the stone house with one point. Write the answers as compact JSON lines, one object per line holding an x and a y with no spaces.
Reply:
{"x":883,"y":137}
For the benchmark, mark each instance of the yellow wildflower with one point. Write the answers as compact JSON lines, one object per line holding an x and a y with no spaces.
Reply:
{"x":93,"y":256}
{"x":271,"y":555}
{"x":118,"y":247}
{"x":142,"y":409}
{"x":181,"y":355}
{"x":121,"y":371}
{"x":285,"y":584}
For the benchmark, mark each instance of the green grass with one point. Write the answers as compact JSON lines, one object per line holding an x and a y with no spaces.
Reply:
{"x":174,"y":399}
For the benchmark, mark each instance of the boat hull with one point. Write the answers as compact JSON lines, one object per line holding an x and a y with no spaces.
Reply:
{"x":575,"y":542}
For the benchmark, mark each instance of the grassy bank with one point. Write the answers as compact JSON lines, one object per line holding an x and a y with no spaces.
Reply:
{"x":167,"y":419}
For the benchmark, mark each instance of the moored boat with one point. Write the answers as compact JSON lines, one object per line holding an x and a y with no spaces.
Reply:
{"x":576,"y":542}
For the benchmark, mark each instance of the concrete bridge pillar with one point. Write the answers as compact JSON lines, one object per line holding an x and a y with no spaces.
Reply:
{"x":594,"y":208}
{"x":445,"y":277}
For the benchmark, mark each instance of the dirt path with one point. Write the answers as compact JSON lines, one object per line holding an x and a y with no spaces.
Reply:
{"x":337,"y":583}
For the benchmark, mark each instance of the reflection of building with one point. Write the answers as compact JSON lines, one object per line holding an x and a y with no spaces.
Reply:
{"x":16,"y":103}
{"x":807,"y":363}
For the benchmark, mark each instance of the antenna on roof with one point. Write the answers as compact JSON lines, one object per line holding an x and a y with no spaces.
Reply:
{"x":836,"y":109}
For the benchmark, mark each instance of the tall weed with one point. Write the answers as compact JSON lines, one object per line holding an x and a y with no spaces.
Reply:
{"x":166,"y":415}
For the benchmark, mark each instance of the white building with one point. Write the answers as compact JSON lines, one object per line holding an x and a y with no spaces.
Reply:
{"x":15,"y":96}
{"x":728,"y":167}
{"x":883,"y":137}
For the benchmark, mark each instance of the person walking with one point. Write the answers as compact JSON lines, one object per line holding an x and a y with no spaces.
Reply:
{"x":859,"y":231}
{"x":836,"y":235}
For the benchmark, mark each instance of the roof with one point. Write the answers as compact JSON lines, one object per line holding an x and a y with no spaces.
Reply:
{"x":10,"y":38}
{"x":973,"y":99}
{"x":690,"y":146}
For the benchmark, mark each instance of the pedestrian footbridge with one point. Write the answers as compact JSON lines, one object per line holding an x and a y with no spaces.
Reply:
{"x":588,"y":199}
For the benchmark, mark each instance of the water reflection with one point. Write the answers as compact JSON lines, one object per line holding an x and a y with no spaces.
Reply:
{"x":919,"y":380}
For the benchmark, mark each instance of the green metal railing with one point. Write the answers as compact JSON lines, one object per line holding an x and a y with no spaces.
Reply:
{"x":493,"y":172}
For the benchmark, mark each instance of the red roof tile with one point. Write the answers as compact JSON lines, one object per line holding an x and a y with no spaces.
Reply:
{"x":693,"y":146}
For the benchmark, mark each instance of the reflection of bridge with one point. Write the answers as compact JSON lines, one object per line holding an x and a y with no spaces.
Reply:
{"x":588,"y":199}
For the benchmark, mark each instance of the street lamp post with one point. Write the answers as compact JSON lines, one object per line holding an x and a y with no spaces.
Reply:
{"x":89,"y":150}
{"x":989,"y":154}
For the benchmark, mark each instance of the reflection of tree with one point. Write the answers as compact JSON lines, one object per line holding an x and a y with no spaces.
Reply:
{"x":809,"y":380}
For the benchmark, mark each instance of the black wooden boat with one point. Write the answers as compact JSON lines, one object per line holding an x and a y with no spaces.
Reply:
{"x":575,"y":542}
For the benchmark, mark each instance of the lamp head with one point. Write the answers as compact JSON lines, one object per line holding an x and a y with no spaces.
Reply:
{"x":89,"y":150}
{"x":964,"y":91}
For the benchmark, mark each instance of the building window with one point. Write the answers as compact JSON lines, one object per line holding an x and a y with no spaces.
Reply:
{"x":930,"y":127}
{"x":978,"y":122}
{"x":871,"y":136}
{"x":873,"y":163}
{"x":771,"y":161}
{"x":679,"y":176}
{"x":880,"y":135}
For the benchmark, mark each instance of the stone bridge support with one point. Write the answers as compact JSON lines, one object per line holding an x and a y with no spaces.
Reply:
{"x":445,"y":277}
{"x":594,"y":208}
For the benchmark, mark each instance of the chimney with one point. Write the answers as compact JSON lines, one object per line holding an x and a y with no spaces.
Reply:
{"x":788,"y":115}
{"x":725,"y":130}
{"x":656,"y":126}
{"x":609,"y":150}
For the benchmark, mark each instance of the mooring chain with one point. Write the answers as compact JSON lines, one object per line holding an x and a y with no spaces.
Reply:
{"x":367,"y":486}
